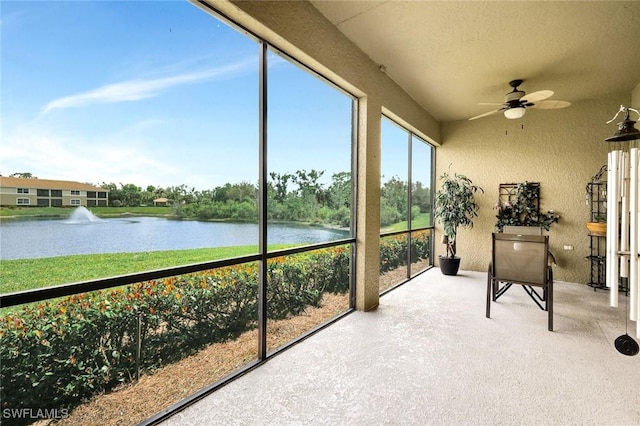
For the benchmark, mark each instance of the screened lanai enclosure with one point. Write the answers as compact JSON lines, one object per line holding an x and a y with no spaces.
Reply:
{"x":256,"y":246}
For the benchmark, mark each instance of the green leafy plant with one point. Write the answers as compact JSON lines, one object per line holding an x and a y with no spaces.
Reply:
{"x":455,"y":207}
{"x":61,"y":352}
{"x":393,"y":250}
{"x":523,"y":210}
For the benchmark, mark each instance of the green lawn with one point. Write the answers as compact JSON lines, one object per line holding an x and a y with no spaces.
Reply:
{"x":420,"y":221}
{"x":98,"y":211}
{"x":24,"y":274}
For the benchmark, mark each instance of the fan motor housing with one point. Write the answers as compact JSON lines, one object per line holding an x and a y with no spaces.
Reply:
{"x":515,"y":95}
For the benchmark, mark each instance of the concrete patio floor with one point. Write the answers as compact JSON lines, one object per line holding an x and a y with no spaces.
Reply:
{"x":428,"y":356}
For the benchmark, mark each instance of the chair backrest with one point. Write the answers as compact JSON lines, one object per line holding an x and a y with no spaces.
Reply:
{"x":522,"y":230}
{"x":520,"y":258}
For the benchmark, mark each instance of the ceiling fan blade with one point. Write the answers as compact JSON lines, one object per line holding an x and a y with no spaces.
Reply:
{"x":537,"y":96}
{"x":551,"y":104}
{"x":491,"y":103}
{"x":487,"y":113}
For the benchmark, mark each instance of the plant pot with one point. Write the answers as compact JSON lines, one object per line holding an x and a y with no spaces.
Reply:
{"x":597,"y":228}
{"x":449,"y":265}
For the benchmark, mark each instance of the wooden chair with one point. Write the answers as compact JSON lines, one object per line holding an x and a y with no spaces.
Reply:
{"x":524,"y":260}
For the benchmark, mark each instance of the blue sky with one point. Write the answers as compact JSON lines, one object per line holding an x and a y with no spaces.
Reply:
{"x":153,"y":93}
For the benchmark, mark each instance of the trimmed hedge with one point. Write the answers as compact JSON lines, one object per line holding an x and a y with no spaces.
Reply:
{"x":59,"y":353}
{"x":393,"y":250}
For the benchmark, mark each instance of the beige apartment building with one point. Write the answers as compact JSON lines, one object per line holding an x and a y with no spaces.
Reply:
{"x":50,"y":193}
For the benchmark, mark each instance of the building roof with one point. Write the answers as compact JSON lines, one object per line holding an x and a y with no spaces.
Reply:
{"x":13,"y":182}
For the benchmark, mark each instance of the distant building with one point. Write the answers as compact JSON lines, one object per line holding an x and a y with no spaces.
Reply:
{"x":162,"y":201}
{"x":50,"y":193}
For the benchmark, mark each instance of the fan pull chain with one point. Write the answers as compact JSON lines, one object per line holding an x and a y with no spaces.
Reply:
{"x":506,"y":129}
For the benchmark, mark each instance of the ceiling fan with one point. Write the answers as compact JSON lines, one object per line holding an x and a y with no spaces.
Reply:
{"x":516,"y":101}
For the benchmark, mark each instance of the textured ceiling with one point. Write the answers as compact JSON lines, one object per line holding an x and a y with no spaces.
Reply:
{"x":451,"y":55}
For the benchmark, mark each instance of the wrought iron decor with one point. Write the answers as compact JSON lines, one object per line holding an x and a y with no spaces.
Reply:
{"x":508,"y":194}
{"x":519,"y":205}
{"x":596,"y":199}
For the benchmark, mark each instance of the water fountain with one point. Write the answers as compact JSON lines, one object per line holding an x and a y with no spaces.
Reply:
{"x":83,"y":215}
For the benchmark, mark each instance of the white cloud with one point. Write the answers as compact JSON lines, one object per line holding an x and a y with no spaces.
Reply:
{"x":133,"y":90}
{"x":131,"y":150}
{"x":48,"y":155}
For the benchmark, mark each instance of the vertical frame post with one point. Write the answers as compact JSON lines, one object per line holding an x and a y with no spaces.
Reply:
{"x":262,"y":208}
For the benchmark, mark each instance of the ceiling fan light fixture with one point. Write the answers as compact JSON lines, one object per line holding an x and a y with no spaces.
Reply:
{"x":514,"y":113}
{"x":517,"y":100}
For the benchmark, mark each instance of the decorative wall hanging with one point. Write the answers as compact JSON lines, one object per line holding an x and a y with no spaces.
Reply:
{"x":519,"y":205}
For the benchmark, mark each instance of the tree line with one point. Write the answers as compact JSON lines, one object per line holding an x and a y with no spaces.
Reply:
{"x":291,"y":197}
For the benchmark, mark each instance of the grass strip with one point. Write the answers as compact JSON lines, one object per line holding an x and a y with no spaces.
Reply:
{"x":63,"y":212}
{"x":25,"y":274}
{"x":422,"y":220}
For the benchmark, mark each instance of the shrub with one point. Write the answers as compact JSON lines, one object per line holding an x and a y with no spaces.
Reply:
{"x":393,"y":250}
{"x":58,"y":353}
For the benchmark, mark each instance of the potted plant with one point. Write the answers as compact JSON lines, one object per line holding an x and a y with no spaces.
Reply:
{"x":455,"y":206}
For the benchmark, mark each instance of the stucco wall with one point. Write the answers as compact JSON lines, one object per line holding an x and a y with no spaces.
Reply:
{"x":561,"y":149}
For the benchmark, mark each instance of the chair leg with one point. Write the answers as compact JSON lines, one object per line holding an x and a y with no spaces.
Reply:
{"x":550,"y":299}
{"x":489,"y":290}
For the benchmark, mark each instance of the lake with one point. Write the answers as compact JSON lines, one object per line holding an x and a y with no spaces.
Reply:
{"x":25,"y":239}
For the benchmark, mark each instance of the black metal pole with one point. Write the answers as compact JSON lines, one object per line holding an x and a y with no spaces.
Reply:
{"x":262,"y":189}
